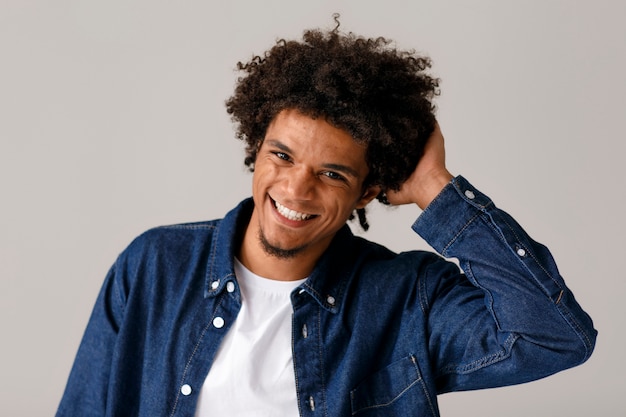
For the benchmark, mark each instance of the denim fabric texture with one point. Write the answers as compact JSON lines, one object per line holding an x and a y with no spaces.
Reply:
{"x":374,"y":333}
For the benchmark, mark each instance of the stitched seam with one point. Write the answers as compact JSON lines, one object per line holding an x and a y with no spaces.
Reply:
{"x":424,"y":388}
{"x":193,"y":353}
{"x":421,"y":294}
{"x":484,"y":361}
{"x":419,"y":379}
{"x":456,"y":236}
{"x":569,"y":319}
{"x":212,"y":259}
{"x":389,"y":402}
{"x":318,"y":298}
{"x":293,"y":355}
{"x":563,"y":311}
{"x":530,"y":252}
{"x":321,"y":355}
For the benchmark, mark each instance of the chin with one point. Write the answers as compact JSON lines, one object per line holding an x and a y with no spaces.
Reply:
{"x":277,"y":251}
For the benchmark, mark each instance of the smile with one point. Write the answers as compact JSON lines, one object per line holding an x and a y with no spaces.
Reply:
{"x":291,"y":214}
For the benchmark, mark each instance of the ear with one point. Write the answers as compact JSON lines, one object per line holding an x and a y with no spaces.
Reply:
{"x":368,"y":195}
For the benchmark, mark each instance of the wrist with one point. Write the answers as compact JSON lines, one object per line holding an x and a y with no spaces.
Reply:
{"x":431,"y":186}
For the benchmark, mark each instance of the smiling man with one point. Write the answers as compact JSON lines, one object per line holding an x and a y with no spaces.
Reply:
{"x":309,"y":177}
{"x":279,"y":310}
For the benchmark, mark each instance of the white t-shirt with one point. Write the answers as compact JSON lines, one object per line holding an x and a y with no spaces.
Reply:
{"x":252,"y":374}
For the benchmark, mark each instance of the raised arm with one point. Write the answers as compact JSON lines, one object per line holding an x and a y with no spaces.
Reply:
{"x":509,"y":318}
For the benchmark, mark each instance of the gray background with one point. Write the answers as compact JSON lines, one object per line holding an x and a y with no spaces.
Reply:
{"x":112,"y":121}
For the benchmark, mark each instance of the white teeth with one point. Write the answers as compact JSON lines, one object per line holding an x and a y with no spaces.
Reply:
{"x":291,"y":214}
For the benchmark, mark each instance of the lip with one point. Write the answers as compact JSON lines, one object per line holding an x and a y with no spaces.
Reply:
{"x":288,"y":221}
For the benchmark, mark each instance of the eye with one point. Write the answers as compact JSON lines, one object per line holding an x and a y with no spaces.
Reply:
{"x":334,"y":176}
{"x":282,"y":155}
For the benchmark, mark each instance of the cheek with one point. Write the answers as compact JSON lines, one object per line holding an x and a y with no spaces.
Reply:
{"x":257,"y":186}
{"x":343,"y":206}
{"x":261,"y":173}
{"x":264,"y":168}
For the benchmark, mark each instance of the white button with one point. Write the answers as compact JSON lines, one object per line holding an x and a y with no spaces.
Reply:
{"x":305,"y":331}
{"x":331,"y":300}
{"x":469,"y":194}
{"x":185,"y":389}
{"x":312,"y":403}
{"x":218,"y":322}
{"x":215,"y":284}
{"x":230,"y":286}
{"x":521,"y":252}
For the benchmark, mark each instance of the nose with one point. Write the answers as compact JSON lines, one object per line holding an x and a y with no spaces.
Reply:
{"x":301,"y":183}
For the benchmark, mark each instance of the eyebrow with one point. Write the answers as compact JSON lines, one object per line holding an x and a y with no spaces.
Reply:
{"x":279,"y":145}
{"x":335,"y":167}
{"x":342,"y":168}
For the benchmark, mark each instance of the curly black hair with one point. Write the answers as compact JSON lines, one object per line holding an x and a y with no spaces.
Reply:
{"x":380,"y":95}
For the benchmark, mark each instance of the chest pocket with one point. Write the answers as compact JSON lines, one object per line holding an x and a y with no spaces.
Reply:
{"x":397,"y":389}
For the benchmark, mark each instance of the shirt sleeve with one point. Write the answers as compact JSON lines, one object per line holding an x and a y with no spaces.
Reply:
{"x":88,"y":383}
{"x":509,"y":317}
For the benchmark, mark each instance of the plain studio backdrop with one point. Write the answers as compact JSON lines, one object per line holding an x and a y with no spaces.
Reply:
{"x":112,"y":121}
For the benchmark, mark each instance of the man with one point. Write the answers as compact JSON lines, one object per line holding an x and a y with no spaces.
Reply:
{"x":278,"y":310}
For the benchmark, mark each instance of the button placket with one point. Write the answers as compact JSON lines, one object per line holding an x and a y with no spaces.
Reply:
{"x":306,"y":358}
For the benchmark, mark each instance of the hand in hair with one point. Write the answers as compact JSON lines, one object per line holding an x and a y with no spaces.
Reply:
{"x":428,"y":178}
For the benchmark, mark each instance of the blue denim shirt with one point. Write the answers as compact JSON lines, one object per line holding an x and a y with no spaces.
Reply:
{"x":374,"y":333}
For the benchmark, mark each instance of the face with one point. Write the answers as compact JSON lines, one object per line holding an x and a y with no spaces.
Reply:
{"x":308,"y":179}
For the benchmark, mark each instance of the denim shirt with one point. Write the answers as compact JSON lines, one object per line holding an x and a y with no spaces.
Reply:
{"x":374,"y":333}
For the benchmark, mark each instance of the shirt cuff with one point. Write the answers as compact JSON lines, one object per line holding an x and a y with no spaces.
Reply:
{"x":452,"y":210}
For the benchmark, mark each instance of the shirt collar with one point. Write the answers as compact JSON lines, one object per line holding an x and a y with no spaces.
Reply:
{"x":224,"y":247}
{"x":326,"y":284}
{"x":328,"y":281}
